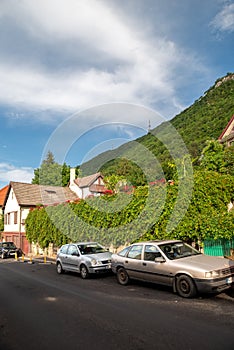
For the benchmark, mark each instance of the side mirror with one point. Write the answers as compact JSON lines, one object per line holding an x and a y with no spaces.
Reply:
{"x":75,"y":254}
{"x":160,"y":259}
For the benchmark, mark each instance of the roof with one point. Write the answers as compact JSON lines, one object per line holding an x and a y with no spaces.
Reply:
{"x":229,"y":129}
{"x":32,"y":195}
{"x":3,"y":193}
{"x":87,"y":180}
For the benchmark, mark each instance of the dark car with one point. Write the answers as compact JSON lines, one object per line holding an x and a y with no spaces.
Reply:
{"x":8,"y":250}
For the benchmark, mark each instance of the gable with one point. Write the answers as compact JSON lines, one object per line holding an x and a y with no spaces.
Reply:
{"x":229,"y":129}
{"x":87,"y":181}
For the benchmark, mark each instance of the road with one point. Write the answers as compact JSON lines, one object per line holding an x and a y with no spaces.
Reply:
{"x":41,"y":310}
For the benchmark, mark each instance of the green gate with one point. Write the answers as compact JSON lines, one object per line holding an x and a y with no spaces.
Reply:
{"x":219,"y":247}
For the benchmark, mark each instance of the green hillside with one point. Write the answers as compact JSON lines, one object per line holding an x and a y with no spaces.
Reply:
{"x":205,"y":119}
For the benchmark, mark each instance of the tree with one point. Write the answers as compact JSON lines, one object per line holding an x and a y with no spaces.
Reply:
{"x":212,"y":157}
{"x":229,"y":158}
{"x":51,"y":173}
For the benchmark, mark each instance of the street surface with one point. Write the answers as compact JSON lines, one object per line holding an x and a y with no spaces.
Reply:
{"x":41,"y":310}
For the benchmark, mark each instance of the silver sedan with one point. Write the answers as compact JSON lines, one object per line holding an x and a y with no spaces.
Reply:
{"x":176,"y":264}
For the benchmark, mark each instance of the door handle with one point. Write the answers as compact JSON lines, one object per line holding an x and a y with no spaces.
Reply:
{"x":144,"y":264}
{"x":126,"y":261}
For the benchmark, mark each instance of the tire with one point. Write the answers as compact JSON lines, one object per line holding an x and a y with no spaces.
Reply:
{"x":122,"y":276}
{"x":84,"y":273}
{"x":60,"y":270}
{"x":185,"y":286}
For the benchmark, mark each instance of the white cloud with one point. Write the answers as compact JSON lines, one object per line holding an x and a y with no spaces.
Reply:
{"x":224,"y":20}
{"x":142,"y":70}
{"x":9,"y":173}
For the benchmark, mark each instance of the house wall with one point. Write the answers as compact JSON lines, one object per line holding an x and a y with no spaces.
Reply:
{"x":14,"y":215}
{"x":14,"y":219}
{"x":74,"y":188}
{"x":84,"y":191}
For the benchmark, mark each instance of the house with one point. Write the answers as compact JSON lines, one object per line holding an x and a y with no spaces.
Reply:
{"x":3,"y":192}
{"x":227,"y":136}
{"x":92,"y":185}
{"x":20,"y":197}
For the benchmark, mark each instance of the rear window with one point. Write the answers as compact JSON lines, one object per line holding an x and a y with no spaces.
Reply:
{"x":63,"y":249}
{"x":9,"y":245}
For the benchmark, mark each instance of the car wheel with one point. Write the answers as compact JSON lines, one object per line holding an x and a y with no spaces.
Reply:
{"x":185,"y":286}
{"x":122,"y":276}
{"x":84,"y":273}
{"x":60,"y":270}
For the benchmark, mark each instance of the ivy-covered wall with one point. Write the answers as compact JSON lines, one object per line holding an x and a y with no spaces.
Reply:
{"x":143,"y":215}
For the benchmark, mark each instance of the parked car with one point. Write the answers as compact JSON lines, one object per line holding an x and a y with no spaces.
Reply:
{"x":8,"y":249}
{"x":176,"y":264}
{"x":85,"y":258}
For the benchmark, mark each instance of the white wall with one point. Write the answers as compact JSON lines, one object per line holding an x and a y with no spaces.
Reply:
{"x":11,"y":207}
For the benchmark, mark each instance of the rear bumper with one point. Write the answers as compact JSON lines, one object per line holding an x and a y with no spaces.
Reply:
{"x":214,"y":285}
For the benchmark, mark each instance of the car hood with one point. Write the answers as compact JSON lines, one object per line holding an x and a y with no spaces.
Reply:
{"x":99,"y":256}
{"x":204,"y":262}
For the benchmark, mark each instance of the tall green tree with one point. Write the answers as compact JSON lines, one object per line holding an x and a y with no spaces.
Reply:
{"x":51,"y":173}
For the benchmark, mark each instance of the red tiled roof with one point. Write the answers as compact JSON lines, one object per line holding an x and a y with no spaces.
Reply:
{"x":32,"y":195}
{"x":228,"y":125}
{"x":3,"y":193}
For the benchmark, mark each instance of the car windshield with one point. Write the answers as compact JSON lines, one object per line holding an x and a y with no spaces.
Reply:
{"x":91,"y":248}
{"x":178,"y":250}
{"x":8,"y":245}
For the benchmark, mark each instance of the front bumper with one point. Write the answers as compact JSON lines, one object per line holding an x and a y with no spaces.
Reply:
{"x":100,"y":268}
{"x":214,"y":285}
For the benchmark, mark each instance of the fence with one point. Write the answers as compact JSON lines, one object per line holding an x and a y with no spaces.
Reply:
{"x":219,"y":247}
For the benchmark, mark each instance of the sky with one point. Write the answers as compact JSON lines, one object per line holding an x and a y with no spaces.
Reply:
{"x":80,"y":77}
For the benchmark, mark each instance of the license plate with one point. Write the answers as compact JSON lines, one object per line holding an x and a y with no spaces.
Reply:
{"x":229,"y":280}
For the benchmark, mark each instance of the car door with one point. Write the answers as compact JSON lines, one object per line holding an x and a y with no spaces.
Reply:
{"x":155,"y":271}
{"x":72,"y":258}
{"x":133,"y":261}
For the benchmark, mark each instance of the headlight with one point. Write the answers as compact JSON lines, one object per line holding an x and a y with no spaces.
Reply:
{"x":95,"y":262}
{"x":212,"y":274}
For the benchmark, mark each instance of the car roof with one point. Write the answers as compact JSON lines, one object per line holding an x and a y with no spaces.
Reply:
{"x":160,"y":241}
{"x":81,"y":243}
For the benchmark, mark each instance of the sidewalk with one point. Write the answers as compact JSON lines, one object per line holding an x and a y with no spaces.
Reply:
{"x":38,"y":259}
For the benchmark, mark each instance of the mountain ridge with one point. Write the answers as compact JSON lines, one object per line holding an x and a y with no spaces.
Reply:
{"x":205,"y":119}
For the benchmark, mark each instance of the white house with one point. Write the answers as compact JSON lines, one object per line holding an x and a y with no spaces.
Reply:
{"x":227,"y":136}
{"x":19,"y":199}
{"x":92,"y":185}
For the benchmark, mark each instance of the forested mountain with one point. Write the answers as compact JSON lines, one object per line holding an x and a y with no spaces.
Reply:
{"x":204,"y":120}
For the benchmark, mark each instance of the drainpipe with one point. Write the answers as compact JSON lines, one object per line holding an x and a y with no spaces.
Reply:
{"x":20,"y":219}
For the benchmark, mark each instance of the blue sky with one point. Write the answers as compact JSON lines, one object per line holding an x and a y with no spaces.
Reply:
{"x":85,"y":76}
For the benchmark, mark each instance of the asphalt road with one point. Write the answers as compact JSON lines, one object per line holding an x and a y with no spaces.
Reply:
{"x":41,"y":310}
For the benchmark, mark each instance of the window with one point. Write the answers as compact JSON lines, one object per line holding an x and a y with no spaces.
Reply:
{"x":63,"y":249}
{"x":72,"y":249}
{"x":151,"y":252}
{"x":15,"y":217}
{"x":123,"y":252}
{"x":135,"y":252}
{"x":8,"y":218}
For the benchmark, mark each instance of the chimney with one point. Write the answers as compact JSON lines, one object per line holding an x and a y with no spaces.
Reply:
{"x":72,"y":175}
